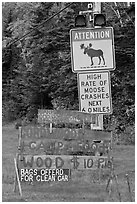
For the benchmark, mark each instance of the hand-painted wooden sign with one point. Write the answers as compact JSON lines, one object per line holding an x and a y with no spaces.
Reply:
{"x":39,"y":131}
{"x":66,"y":147}
{"x":64,"y":162}
{"x":59,"y":149}
{"x":39,"y":140}
{"x":43,"y":149}
{"x":64,"y":116}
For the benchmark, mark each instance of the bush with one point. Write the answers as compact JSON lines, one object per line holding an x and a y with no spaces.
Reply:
{"x":9,"y":112}
{"x":128,"y":135}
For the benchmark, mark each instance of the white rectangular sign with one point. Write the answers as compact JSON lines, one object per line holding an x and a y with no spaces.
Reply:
{"x":92,"y":49}
{"x":95,"y":92}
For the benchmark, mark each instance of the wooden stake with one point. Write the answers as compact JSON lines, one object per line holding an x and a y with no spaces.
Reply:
{"x":99,"y":174}
{"x":129,"y":189}
{"x":110,"y":182}
{"x":15,"y":183}
{"x":116,"y":179}
{"x":83,"y":127}
{"x":17,"y":178}
{"x":19,"y":137}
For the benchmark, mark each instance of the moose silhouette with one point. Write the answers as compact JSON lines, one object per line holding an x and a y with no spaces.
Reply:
{"x":93,"y":53}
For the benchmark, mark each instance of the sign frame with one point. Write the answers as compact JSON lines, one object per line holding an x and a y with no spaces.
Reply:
{"x":94,"y":68}
{"x":109,"y":87}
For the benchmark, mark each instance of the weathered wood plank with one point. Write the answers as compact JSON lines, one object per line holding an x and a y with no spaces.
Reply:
{"x":66,"y":147}
{"x":64,"y":162}
{"x":63,"y":133}
{"x":64,"y":116}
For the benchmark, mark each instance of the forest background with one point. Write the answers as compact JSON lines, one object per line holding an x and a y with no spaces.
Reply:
{"x":36,"y":70}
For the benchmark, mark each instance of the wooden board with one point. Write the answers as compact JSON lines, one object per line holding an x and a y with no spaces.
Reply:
{"x":38,"y":131}
{"x":64,"y":162}
{"x":64,"y":116}
{"x":66,"y":147}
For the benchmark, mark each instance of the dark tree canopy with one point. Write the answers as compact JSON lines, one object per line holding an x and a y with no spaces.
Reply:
{"x":37,"y":69}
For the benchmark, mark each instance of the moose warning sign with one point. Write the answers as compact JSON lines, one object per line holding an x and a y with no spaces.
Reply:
{"x":92,"y":49}
{"x":94,"y":92}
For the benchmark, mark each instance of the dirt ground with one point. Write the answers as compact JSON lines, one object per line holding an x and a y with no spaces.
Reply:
{"x":84,"y":186}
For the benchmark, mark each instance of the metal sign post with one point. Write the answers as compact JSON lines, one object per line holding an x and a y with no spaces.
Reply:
{"x":92,"y":51}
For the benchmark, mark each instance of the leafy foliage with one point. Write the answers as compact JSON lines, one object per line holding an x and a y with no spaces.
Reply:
{"x":37,"y":69}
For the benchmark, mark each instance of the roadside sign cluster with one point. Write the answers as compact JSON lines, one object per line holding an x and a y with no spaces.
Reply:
{"x":93,"y":56}
{"x":46,"y":153}
{"x":49,"y":154}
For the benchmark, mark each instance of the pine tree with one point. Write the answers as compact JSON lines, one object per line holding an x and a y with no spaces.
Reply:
{"x":37,"y":69}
